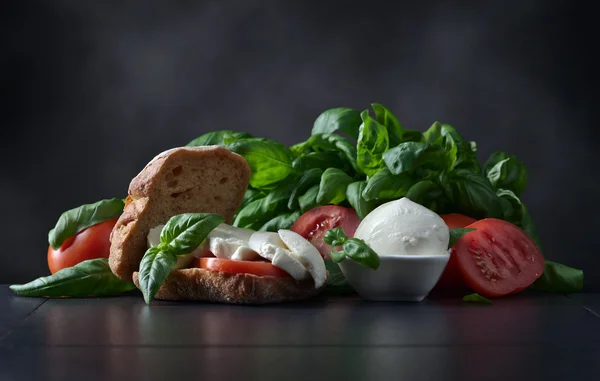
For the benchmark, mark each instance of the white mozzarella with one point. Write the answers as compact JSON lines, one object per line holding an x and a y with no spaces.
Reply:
{"x":306,"y":254}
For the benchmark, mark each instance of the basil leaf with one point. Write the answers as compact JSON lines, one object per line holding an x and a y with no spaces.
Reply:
{"x":322,"y":160}
{"x":433,"y":135}
{"x":260,"y":211}
{"x":283,"y":221}
{"x":391,"y":123}
{"x":337,"y":256}
{"x":473,"y":195}
{"x":185,"y":232}
{"x":342,"y":118}
{"x":309,"y":199}
{"x":220,"y":138}
{"x":309,"y":178}
{"x":335,"y":237}
{"x":332,"y":189}
{"x":357,"y":250}
{"x":75,"y":220}
{"x":407,"y":156}
{"x":559,"y":278}
{"x":335,"y":143}
{"x":354,"y":195}
{"x":269,"y":161}
{"x":88,"y":278}
{"x":251,"y":195}
{"x":456,"y":234}
{"x":336,"y":281}
{"x":476,"y":298}
{"x":373,"y":141}
{"x":512,"y":207}
{"x":506,"y":171}
{"x":385,"y":185}
{"x":429,"y":194}
{"x":155,"y":267}
{"x":302,"y":148}
{"x":528,"y":226}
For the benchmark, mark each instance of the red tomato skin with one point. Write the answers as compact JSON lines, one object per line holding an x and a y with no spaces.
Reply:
{"x":498,"y":258}
{"x":258,"y":268}
{"x":90,"y":243}
{"x":451,"y":279}
{"x":314,"y":223}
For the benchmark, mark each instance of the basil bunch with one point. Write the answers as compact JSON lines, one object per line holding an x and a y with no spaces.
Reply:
{"x":364,"y":159}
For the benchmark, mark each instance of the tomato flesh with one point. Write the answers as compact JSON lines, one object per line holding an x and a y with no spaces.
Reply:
{"x":259,"y":268}
{"x":90,"y":243}
{"x":498,"y":258}
{"x":313,"y":225}
{"x":451,"y":278}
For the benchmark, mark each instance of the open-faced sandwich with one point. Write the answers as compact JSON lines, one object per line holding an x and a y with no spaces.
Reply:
{"x":175,"y":227}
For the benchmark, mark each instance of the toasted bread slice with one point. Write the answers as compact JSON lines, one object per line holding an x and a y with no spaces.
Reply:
{"x":216,"y":286}
{"x":208,"y":179}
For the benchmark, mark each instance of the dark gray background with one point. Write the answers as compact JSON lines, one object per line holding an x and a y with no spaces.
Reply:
{"x":93,"y":90}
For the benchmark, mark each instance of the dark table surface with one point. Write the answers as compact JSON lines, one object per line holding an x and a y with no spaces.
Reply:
{"x":525,"y":337}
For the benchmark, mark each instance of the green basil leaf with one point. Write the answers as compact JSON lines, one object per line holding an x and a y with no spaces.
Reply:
{"x":220,"y":138}
{"x":336,"y":280}
{"x":342,"y":118}
{"x":269,"y":161}
{"x":506,"y":171}
{"x":251,"y":195}
{"x":466,"y":152}
{"x":183,"y":233}
{"x":335,"y":143}
{"x":559,"y":278}
{"x":385,"y":185}
{"x":88,"y":278}
{"x":373,"y":141}
{"x":473,"y":195}
{"x":155,"y":267}
{"x":260,"y":211}
{"x":75,"y":220}
{"x":456,"y":234}
{"x":335,"y":237}
{"x":309,"y":199}
{"x":357,"y":250}
{"x":309,"y":178}
{"x":407,"y":156}
{"x":302,"y":148}
{"x":433,"y":135}
{"x":512,"y":208}
{"x":429,"y":194}
{"x":337,"y":256}
{"x":476,"y":298}
{"x":322,"y":160}
{"x":332,"y":189}
{"x":283,"y":221}
{"x":391,"y":123}
{"x":354,"y":195}
{"x":529,"y":227}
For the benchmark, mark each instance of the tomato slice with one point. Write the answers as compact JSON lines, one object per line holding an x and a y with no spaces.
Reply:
{"x":259,"y":268}
{"x":313,"y":225}
{"x":498,"y":258}
{"x":451,"y":278}
{"x":90,"y":243}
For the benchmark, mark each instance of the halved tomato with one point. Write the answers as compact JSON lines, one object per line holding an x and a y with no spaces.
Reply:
{"x":451,"y":278}
{"x":259,"y":268}
{"x":313,"y":225}
{"x":498,"y":258}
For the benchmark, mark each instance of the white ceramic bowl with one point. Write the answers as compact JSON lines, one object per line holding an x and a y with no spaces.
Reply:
{"x":407,"y":278}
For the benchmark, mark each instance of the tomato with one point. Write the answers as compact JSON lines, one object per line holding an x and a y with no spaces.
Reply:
{"x":451,"y":278}
{"x":455,"y":220}
{"x":90,"y":243}
{"x":313,"y":225}
{"x":498,"y":258}
{"x":259,"y":268}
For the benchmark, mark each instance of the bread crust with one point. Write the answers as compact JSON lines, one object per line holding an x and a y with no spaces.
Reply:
{"x":215,"y":286}
{"x":208,"y":179}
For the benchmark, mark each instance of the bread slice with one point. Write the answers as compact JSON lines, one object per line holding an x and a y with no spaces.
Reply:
{"x":209,"y":179}
{"x":215,"y":286}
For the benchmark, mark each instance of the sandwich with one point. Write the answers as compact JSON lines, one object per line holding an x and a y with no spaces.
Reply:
{"x":231,"y":264}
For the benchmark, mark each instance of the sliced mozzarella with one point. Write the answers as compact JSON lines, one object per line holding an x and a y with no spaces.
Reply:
{"x":288,"y":263}
{"x":229,"y":242}
{"x":306,"y":254}
{"x":266,"y":244}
